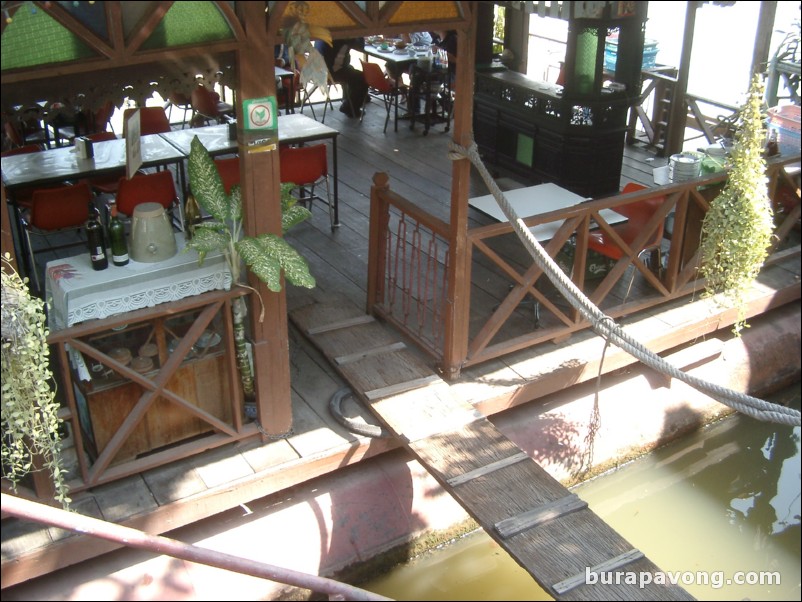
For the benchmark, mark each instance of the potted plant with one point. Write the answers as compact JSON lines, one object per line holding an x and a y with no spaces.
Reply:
{"x":266,"y":255}
{"x":31,"y":437}
{"x":737,"y":230}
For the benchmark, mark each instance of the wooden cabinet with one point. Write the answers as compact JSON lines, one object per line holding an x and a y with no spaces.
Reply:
{"x":571,"y":134}
{"x":146,"y":385}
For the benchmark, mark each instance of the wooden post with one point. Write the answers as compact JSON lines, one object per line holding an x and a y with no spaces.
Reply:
{"x":457,"y":311}
{"x":675,"y":136}
{"x":261,"y":207}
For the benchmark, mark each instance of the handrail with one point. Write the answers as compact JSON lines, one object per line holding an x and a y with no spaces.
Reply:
{"x":87,"y":525}
{"x":490,"y":269}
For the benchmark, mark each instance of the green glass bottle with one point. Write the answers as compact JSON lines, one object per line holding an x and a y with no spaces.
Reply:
{"x":119,"y":245}
{"x":96,"y":239}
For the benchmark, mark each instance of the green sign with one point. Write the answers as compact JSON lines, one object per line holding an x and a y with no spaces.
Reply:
{"x":260,"y":123}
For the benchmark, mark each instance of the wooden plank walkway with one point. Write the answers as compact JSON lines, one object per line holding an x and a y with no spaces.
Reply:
{"x":548,"y":530}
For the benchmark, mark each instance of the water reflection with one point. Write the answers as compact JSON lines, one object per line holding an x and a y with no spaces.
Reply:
{"x":722,"y":501}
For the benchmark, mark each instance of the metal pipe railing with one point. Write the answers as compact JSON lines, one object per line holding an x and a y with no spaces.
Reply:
{"x":86,"y":525}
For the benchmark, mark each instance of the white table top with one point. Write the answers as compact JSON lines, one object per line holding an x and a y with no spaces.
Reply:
{"x":391,"y":55}
{"x":63,"y":163}
{"x":292,"y":129}
{"x":74,"y":292}
{"x":536,"y":200}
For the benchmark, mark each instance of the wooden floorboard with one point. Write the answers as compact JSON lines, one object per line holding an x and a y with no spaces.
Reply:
{"x":548,"y":531}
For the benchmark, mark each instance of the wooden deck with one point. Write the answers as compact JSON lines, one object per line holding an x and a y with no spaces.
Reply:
{"x":183,"y":492}
{"x":549,"y":531}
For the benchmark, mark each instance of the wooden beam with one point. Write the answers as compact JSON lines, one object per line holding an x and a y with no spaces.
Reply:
{"x":261,"y":208}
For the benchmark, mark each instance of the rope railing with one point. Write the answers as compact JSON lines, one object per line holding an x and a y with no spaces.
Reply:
{"x":606,"y":327}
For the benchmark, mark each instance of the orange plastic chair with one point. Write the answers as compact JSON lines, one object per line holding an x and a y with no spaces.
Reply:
{"x":105,"y":184}
{"x":228,"y":168}
{"x":207,"y":107}
{"x":180,"y":101}
{"x":155,"y":187}
{"x":382,"y":88}
{"x":101,"y":119}
{"x":306,"y":167}
{"x":638,"y":215}
{"x":152,"y":120}
{"x":52,"y":211}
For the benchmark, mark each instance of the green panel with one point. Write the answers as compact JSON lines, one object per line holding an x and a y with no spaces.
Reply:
{"x":35,"y":38}
{"x":525,"y":150}
{"x":189,"y":23}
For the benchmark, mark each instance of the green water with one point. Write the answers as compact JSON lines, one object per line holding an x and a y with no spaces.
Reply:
{"x":720,"y":502}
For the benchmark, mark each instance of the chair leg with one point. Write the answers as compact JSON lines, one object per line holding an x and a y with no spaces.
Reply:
{"x":34,"y":274}
{"x":331,"y":206}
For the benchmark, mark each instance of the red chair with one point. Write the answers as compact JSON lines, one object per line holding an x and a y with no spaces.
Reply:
{"x":180,"y":101}
{"x":638,"y":215}
{"x":105,"y":184}
{"x":53,"y":211}
{"x":101,"y":119}
{"x":382,"y":88}
{"x":306,"y":167}
{"x":156,"y":187}
{"x":206,"y":106}
{"x":228,"y":168}
{"x":152,"y":120}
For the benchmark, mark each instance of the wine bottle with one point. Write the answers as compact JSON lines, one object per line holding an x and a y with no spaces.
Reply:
{"x":96,"y":239}
{"x":192,"y":216}
{"x":119,"y":246}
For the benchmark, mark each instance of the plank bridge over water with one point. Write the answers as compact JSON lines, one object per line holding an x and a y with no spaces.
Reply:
{"x":547,"y":529}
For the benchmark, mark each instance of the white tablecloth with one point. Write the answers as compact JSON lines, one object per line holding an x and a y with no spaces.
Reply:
{"x":75,"y":292}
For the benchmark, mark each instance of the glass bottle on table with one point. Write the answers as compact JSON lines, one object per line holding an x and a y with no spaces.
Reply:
{"x":96,"y":239}
{"x":192,"y":216}
{"x":119,"y":245}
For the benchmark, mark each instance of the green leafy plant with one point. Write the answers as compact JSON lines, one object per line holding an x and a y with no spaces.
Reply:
{"x":266,"y":255}
{"x":737,"y":230}
{"x":30,"y":409}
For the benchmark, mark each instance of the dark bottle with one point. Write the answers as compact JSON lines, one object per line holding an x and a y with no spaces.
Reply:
{"x":119,"y":246}
{"x":96,"y":239}
{"x":192,"y":216}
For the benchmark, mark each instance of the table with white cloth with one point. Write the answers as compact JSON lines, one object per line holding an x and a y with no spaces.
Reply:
{"x":292,"y":129}
{"x":75,"y":292}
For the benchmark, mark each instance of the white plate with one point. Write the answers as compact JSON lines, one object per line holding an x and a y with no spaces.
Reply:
{"x":403,"y":51}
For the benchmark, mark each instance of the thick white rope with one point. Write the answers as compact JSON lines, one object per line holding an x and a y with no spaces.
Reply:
{"x":606,"y":327}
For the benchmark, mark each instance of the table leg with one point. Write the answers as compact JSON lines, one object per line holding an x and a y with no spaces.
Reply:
{"x":336,"y":183}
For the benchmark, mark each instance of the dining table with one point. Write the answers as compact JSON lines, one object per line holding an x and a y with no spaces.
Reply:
{"x":293,"y":129}
{"x":537,"y":200}
{"x":426,"y":81}
{"x":64,"y":164}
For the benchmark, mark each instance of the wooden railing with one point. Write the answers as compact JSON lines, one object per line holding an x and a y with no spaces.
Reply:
{"x":409,"y":258}
{"x":710,"y":118}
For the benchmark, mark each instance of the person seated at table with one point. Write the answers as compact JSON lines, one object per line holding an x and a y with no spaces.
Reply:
{"x":338,"y":60}
{"x":417,"y":37}
{"x":281,"y":55}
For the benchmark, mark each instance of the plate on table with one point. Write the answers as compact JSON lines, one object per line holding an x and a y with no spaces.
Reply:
{"x":403,"y":51}
{"x":380,"y":49}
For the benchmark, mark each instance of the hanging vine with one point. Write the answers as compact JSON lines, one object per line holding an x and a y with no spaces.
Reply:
{"x":737,"y":230}
{"x":29,"y":407}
